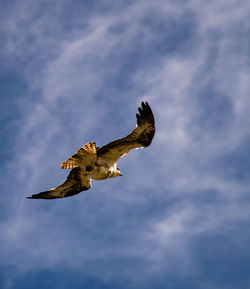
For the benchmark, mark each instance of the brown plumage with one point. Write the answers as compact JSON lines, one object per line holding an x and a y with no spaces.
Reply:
{"x":90,"y":162}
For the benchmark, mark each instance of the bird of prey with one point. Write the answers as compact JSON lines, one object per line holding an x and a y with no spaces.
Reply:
{"x":91,"y":162}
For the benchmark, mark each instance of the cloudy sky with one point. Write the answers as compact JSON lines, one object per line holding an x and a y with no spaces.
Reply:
{"x":76,"y":71}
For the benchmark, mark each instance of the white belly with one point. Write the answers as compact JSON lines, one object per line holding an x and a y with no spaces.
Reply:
{"x":104,"y":172}
{"x":100,"y":173}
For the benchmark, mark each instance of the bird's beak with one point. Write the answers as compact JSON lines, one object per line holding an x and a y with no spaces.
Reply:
{"x":121,"y":175}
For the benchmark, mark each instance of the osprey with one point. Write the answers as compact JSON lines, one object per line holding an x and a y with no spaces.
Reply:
{"x":91,"y":162}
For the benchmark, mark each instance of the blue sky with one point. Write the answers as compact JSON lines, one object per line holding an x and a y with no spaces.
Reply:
{"x":76,"y":71}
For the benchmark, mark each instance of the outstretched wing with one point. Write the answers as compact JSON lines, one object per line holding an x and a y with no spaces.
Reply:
{"x":85,"y":156}
{"x":75,"y":183}
{"x":141,"y":136}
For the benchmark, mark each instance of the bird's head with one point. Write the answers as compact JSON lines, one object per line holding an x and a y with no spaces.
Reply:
{"x":119,"y":172}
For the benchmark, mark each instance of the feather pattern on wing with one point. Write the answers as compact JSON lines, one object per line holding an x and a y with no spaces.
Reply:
{"x":75,"y":183}
{"x":141,"y":136}
{"x":85,"y":156}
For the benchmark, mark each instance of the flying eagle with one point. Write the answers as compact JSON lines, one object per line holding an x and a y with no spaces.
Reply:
{"x":91,"y":162}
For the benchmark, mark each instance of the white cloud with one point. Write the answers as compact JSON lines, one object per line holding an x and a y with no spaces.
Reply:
{"x":67,"y":88}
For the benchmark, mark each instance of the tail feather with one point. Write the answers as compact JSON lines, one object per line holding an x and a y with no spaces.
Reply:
{"x":85,"y":156}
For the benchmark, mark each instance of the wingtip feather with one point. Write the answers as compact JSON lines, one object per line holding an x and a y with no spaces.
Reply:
{"x":145,"y":113}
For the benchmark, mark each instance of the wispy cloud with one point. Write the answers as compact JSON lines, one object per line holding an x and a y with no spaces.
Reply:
{"x":85,"y":77}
